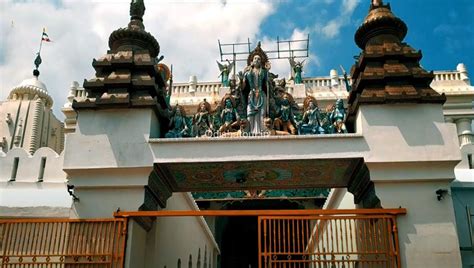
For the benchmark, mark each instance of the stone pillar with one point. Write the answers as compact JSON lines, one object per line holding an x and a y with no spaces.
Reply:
{"x":408,"y":167}
{"x":136,"y":246}
{"x":464,"y":129}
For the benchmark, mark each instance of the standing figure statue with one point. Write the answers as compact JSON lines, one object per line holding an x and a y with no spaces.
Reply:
{"x":285,"y":120}
{"x":337,"y":118}
{"x":225,"y":70}
{"x":229,"y":117}
{"x":178,"y":126}
{"x":297,"y":69}
{"x":311,"y":122}
{"x":202,"y":121}
{"x":256,"y":80}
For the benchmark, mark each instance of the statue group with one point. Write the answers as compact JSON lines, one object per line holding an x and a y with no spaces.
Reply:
{"x":257,"y":104}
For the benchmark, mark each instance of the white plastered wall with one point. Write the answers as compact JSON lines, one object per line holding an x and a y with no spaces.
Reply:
{"x":26,"y":196}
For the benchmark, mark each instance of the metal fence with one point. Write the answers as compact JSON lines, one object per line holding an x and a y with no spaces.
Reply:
{"x":328,"y":241}
{"x":62,"y":243}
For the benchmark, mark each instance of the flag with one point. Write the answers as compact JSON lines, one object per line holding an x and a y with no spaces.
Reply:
{"x":45,"y":36}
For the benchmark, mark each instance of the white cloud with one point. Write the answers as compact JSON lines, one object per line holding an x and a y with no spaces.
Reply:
{"x":187,"y":33}
{"x":332,"y":27}
{"x":282,"y":66}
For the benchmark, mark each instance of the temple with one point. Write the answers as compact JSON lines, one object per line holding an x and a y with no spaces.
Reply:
{"x":368,"y":169}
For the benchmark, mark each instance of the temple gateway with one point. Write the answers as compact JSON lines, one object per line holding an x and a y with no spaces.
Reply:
{"x":368,"y":169}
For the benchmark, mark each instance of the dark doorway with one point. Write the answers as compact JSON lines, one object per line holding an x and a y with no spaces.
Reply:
{"x":238,"y":236}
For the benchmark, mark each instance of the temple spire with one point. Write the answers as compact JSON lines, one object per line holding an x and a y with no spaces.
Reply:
{"x":137,"y":10}
{"x":377,"y":3}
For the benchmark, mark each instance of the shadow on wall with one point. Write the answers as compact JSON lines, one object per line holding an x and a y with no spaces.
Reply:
{"x":406,"y":117}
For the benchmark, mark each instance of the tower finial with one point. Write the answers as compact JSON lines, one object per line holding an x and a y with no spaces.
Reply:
{"x":137,"y":10}
{"x":37,"y":64}
{"x":377,"y":3}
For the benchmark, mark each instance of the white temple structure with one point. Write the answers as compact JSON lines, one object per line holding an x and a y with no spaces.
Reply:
{"x":404,"y":169}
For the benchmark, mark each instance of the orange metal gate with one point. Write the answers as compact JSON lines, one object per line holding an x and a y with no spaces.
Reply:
{"x":62,"y":243}
{"x":345,"y":238}
{"x":333,"y":241}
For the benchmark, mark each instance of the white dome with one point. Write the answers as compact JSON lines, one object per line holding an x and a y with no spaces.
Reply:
{"x":34,"y":81}
{"x":31,"y":87}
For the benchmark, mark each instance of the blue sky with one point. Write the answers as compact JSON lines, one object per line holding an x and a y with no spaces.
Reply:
{"x":188,"y":30}
{"x":443,"y":30}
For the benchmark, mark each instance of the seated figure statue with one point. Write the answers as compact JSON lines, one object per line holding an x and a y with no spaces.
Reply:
{"x":178,"y":126}
{"x":337,"y":118}
{"x":229,"y":117}
{"x":311,"y":122}
{"x":285,"y":120}
{"x":202,"y":121}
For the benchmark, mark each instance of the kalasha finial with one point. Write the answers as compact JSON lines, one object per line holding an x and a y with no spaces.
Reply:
{"x":377,"y":3}
{"x":137,"y":10}
{"x":37,"y":64}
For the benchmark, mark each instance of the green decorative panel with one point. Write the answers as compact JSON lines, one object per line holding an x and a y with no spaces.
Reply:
{"x":258,"y":175}
{"x":290,"y":194}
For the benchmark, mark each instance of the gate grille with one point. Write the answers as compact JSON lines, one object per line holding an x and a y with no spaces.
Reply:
{"x":325,"y":241}
{"x":62,"y":243}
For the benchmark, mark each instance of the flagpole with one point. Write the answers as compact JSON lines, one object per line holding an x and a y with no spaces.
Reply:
{"x":41,"y":42}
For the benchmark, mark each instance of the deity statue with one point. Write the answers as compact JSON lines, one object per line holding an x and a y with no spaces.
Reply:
{"x":285,"y":120}
{"x":178,"y":126}
{"x":229,"y":117}
{"x":225,"y":70}
{"x":297,"y":69}
{"x":337,"y":118}
{"x":311,"y":122}
{"x":270,"y":129}
{"x":202,"y":121}
{"x":256,"y":78}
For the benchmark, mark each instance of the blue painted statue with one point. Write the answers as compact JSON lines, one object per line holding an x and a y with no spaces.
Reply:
{"x":256,"y":81}
{"x":202,"y":122}
{"x":297,"y":69}
{"x":178,"y":126}
{"x":225,"y":70}
{"x":285,"y":120}
{"x":229,"y":117}
{"x":311,"y":122}
{"x":337,"y":117}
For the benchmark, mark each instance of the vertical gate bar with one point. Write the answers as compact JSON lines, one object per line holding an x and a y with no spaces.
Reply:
{"x":259,"y":233}
{"x":13,"y":248}
{"x":265,"y":236}
{"x":107,"y":235}
{"x":118,"y":242}
{"x":284,"y":234}
{"x":49,"y":237}
{"x":302,"y":239}
{"x":397,"y":246}
{"x":336,"y":236}
{"x":274,"y":236}
{"x":11,"y":242}
{"x":124,"y":241}
{"x":92,"y":238}
{"x":53,"y":238}
{"x":293,"y":240}
{"x":387,"y":240}
{"x":24,"y":239}
{"x":378,"y":241}
{"x":39,"y":239}
{"x":44,"y":236}
{"x":115,"y":239}
{"x":33,"y":238}
{"x":100,"y":240}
